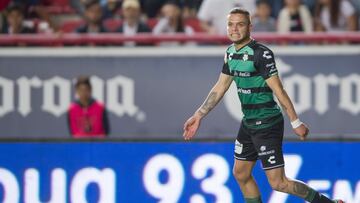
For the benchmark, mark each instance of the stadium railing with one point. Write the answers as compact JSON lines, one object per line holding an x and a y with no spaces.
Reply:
{"x":61,"y":39}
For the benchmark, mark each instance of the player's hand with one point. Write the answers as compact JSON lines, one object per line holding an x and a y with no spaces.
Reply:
{"x":191,"y":126}
{"x":302,"y":131}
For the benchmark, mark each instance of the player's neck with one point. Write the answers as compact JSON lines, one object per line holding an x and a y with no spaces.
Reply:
{"x":239,"y":45}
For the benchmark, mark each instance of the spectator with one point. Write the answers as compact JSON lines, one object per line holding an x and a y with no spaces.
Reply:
{"x":310,"y":4}
{"x":78,"y":6}
{"x":191,"y":7}
{"x":15,"y":21}
{"x":213,"y":13}
{"x":335,"y":15}
{"x":93,"y":18}
{"x":2,"y":23}
{"x":262,"y":21}
{"x":356,"y":4}
{"x":86,"y":116}
{"x":132,"y":24}
{"x":152,"y":7}
{"x":294,"y":17}
{"x":276,"y":6}
{"x":36,"y":9}
{"x":110,"y":8}
{"x":171,"y":20}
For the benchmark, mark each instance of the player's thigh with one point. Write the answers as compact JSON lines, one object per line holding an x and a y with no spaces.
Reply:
{"x":242,"y":169}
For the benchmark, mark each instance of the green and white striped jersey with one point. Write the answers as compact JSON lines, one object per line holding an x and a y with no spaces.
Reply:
{"x":250,"y":66}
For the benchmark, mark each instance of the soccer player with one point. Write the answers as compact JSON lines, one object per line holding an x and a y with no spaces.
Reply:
{"x":251,"y":66}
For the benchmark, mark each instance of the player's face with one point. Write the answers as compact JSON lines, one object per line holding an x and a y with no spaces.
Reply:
{"x":238,"y":28}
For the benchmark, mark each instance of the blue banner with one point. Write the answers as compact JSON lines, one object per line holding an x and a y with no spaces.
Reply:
{"x":163,"y":172}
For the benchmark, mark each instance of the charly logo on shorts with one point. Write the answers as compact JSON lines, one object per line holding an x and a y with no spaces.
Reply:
{"x":262,"y":148}
{"x":238,"y":147}
{"x":272,"y":160}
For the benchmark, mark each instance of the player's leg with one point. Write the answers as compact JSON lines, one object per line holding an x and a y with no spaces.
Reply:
{"x":281,"y":183}
{"x":268,"y":143}
{"x":243,"y":174}
{"x":245,"y":158}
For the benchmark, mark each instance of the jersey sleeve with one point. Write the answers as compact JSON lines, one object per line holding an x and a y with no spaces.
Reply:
{"x":226,"y":68}
{"x":265,"y":62}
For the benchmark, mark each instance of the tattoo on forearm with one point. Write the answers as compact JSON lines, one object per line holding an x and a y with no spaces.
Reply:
{"x":208,"y":104}
{"x":300,"y":189}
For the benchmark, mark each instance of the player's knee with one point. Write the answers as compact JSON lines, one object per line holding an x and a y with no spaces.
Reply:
{"x":242,"y":176}
{"x":279,"y":184}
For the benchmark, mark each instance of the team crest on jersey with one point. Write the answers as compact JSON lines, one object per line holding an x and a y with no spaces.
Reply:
{"x":246,"y":56}
{"x":231,"y":56}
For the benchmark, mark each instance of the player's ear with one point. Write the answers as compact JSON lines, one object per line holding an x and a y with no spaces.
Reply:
{"x":250,"y":23}
{"x":250,"y":27}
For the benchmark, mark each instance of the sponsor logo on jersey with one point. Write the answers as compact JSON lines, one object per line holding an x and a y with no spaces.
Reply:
{"x":241,"y":74}
{"x":267,"y":55}
{"x":270,"y":65}
{"x":244,"y":91}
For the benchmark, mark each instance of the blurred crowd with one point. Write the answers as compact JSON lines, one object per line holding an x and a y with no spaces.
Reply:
{"x":174,"y":16}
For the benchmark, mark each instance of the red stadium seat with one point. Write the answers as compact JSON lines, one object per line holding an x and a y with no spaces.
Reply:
{"x":70,"y":26}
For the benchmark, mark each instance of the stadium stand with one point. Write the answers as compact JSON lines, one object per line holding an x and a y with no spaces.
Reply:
{"x":118,"y":39}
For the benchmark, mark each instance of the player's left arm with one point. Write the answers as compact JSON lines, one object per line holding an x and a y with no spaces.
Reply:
{"x":265,"y":64}
{"x":276,"y":86}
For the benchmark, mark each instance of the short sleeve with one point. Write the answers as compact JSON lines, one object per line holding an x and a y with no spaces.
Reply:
{"x":226,"y":68}
{"x":265,"y":62}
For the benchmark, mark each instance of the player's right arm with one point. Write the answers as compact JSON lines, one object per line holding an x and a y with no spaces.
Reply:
{"x":216,"y":94}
